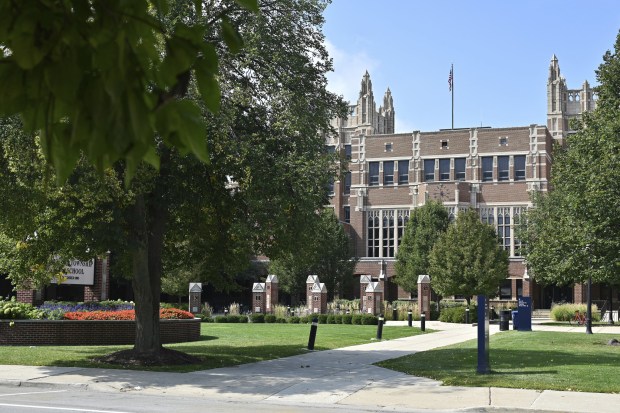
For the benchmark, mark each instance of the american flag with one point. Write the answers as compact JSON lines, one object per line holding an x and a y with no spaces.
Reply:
{"x":450,"y":81}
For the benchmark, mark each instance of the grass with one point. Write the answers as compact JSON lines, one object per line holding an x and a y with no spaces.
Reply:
{"x":532,"y":360}
{"x":221,"y":345}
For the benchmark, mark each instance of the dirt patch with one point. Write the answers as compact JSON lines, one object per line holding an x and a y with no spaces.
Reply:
{"x":165,"y":357}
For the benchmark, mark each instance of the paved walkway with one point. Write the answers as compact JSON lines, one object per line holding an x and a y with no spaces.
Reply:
{"x":344,"y":377}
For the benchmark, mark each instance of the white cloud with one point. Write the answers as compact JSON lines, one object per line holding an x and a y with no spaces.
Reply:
{"x":349,"y":68}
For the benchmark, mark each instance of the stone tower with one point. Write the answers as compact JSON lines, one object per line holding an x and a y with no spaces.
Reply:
{"x":564,"y":104}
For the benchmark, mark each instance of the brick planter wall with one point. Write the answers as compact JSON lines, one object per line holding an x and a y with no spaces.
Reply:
{"x":91,"y":332}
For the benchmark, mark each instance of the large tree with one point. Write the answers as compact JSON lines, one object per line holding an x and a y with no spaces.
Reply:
{"x":326,"y":252}
{"x":467,"y":259}
{"x":573,"y":232}
{"x":267,"y":139}
{"x":425,"y":226}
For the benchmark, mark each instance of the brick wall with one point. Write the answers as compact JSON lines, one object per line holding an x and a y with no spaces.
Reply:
{"x":75,"y":333}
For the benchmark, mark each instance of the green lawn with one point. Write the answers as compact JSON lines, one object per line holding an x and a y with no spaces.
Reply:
{"x":528,"y":360}
{"x":221,"y":345}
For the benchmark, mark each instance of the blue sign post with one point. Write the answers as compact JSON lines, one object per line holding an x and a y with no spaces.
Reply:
{"x":525,"y":314}
{"x":483,"y":335}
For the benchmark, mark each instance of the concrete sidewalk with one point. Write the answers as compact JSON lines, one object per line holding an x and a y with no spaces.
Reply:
{"x":343,"y":377}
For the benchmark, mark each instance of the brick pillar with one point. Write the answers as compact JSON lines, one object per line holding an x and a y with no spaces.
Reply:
{"x":26,"y":296}
{"x":424,"y":295}
{"x":364,"y":281}
{"x":310,"y":281}
{"x":374,"y":298}
{"x":258,"y":298}
{"x":100,"y":290}
{"x":318,"y":299}
{"x":579,"y":294}
{"x":271,"y":285}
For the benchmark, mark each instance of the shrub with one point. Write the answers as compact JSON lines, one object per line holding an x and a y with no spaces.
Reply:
{"x":457,"y":315}
{"x":243,"y":319}
{"x":12,"y":309}
{"x":338,"y":319}
{"x":206,"y":319}
{"x":369,"y":319}
{"x":257,"y":318}
{"x":304,"y":320}
{"x":293,"y":320}
{"x":330,"y":319}
{"x":322,"y":318}
{"x":346,"y":318}
{"x":234,"y":318}
{"x":566,"y":312}
{"x":234,"y":309}
{"x":270,"y":318}
{"x":280,"y":320}
{"x":221,"y":319}
{"x":356,"y":319}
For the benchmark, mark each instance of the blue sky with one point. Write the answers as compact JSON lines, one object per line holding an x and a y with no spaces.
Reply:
{"x":500,"y":50}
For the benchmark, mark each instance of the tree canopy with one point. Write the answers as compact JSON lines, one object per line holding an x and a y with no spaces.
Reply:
{"x":425,"y":226}
{"x":101,"y":79}
{"x":326,"y":252}
{"x":467,"y":259}
{"x":266,"y":172}
{"x":573,"y":231}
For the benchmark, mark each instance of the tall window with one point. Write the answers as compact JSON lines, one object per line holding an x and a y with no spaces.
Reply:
{"x":347,"y":152}
{"x":347,"y":183}
{"x":330,"y":185}
{"x":519,"y":161}
{"x":373,"y":233}
{"x":503,"y":227}
{"x":505,"y":290}
{"x":459,"y":169}
{"x":516,"y":219}
{"x":429,"y":170}
{"x":385,"y":231}
{"x":388,"y":233}
{"x":403,"y":172}
{"x":347,"y":214}
{"x":388,"y":173}
{"x":373,"y":173}
{"x":503,"y":171}
{"x":487,"y":215}
{"x":487,"y":168}
{"x":444,"y":169}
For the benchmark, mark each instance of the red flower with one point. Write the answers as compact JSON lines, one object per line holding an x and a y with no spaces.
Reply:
{"x":164,"y":314}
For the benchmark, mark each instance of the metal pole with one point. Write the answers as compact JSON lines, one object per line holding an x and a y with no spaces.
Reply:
{"x":452,"y":73}
{"x":380,"y":327}
{"x":423,"y":321}
{"x":315,"y":322}
{"x":409,"y":318}
{"x":467,"y":315}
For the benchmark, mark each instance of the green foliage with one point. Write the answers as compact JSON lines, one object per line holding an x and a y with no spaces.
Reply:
{"x":304,"y":319}
{"x":109,"y":77}
{"x":206,"y":319}
{"x":337,"y":319}
{"x":467,"y":259}
{"x":356,"y":319}
{"x":221,"y":319}
{"x":270,"y":318}
{"x":11,"y":309}
{"x":566,"y":312}
{"x":369,"y":320}
{"x":322,"y":318}
{"x":347,"y":319}
{"x":425,"y":226}
{"x":571,"y":233}
{"x":457,"y":314}
{"x":325,"y":252}
{"x":257,"y":318}
{"x":293,"y":320}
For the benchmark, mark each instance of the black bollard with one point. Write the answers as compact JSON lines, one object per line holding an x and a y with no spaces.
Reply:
{"x":467,"y":315}
{"x":409,"y":318}
{"x":394,"y":314}
{"x":380,"y":327}
{"x":315,"y":322}
{"x":423,"y":321}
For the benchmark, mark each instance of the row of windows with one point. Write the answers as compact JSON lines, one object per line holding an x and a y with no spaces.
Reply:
{"x":388,"y":173}
{"x":385,"y":228}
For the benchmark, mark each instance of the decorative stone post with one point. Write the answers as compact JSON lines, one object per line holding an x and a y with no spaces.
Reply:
{"x":319,"y":298}
{"x":100,"y":289}
{"x":374,"y":298}
{"x":424,"y":295}
{"x":310,"y":281}
{"x":271,"y":290}
{"x":258,"y":298}
{"x":195,"y":297}
{"x":364,"y":281}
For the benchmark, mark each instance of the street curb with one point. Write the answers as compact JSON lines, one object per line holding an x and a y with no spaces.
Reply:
{"x":22,"y":383}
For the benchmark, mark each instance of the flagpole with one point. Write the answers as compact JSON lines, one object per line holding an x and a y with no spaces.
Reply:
{"x":452,"y":73}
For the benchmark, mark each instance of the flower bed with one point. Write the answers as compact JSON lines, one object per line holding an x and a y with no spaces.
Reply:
{"x":164,"y":314}
{"x":91,"y":332}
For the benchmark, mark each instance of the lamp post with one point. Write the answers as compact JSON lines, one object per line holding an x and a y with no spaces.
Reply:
{"x":589,"y":305}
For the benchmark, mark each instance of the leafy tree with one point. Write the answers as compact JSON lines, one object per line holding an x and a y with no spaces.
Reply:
{"x":267,"y":138}
{"x":101,"y":79}
{"x":425,"y":226}
{"x":326,"y":252}
{"x":467,"y":259}
{"x":572,"y":232}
